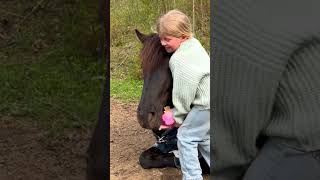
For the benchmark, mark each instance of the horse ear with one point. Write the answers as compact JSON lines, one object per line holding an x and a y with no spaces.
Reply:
{"x":141,"y":36}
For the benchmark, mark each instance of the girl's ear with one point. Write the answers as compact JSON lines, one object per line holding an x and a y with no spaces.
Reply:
{"x":141,"y":36}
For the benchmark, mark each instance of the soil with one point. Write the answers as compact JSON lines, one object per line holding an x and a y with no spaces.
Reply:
{"x":127,"y":141}
{"x":26,"y":153}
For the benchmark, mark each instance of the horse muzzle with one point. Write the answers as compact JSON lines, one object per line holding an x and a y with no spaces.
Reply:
{"x":148,"y":120}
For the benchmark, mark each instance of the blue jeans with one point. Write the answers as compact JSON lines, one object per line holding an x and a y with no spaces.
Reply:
{"x":194,"y":134}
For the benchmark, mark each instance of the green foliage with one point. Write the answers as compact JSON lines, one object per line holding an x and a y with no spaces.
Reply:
{"x":127,"y":15}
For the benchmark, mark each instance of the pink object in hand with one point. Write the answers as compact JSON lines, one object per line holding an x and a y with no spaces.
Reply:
{"x":167,"y":118}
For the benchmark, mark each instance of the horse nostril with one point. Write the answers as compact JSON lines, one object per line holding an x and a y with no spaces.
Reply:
{"x":150,"y":115}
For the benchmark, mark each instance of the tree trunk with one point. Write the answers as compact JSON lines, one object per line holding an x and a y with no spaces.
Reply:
{"x":97,"y":156}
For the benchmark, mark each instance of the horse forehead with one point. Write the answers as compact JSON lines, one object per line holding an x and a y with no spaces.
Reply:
{"x":157,"y":70}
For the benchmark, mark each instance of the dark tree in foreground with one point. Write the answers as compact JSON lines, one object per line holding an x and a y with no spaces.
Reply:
{"x":98,"y":158}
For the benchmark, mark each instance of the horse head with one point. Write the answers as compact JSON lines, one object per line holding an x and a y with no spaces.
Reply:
{"x":157,"y":81}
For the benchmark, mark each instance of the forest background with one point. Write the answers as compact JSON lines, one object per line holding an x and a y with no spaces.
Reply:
{"x":126,"y":16}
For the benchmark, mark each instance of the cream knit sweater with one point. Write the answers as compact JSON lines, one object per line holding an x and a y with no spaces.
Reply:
{"x":190,"y":68}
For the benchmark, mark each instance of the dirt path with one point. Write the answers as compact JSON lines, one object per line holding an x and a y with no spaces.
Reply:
{"x":26,"y":154}
{"x":127,"y":141}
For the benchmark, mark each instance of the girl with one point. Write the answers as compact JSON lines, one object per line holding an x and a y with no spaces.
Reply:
{"x":190,"y":68}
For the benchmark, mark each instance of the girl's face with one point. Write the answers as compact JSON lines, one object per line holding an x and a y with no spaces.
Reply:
{"x":171,"y":43}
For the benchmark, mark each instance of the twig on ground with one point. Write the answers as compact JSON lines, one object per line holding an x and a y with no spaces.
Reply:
{"x":36,"y":7}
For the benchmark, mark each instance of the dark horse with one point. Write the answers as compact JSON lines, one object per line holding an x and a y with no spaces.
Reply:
{"x":156,"y":94}
{"x":157,"y":85}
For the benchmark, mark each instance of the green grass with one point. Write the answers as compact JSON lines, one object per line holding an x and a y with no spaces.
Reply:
{"x":127,"y":15}
{"x":126,"y":89}
{"x":51,"y":72}
{"x":59,"y":95}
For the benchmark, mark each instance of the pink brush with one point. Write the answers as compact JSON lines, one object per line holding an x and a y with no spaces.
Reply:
{"x":167,"y":119}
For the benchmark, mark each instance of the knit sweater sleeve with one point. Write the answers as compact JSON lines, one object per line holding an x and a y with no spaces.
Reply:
{"x":266,"y":74}
{"x":185,"y":82}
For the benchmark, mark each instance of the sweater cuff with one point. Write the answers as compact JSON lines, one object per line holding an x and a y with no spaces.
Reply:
{"x":178,"y":120}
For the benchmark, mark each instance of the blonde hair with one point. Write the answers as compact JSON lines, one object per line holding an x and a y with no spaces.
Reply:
{"x":174,"y":23}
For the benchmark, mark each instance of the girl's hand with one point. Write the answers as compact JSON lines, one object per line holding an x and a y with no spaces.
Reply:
{"x":164,"y":127}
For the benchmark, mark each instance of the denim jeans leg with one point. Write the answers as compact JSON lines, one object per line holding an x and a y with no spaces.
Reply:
{"x":193,"y":132}
{"x":204,"y":148}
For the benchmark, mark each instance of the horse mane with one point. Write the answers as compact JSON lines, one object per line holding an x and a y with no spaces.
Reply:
{"x":153,"y":54}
